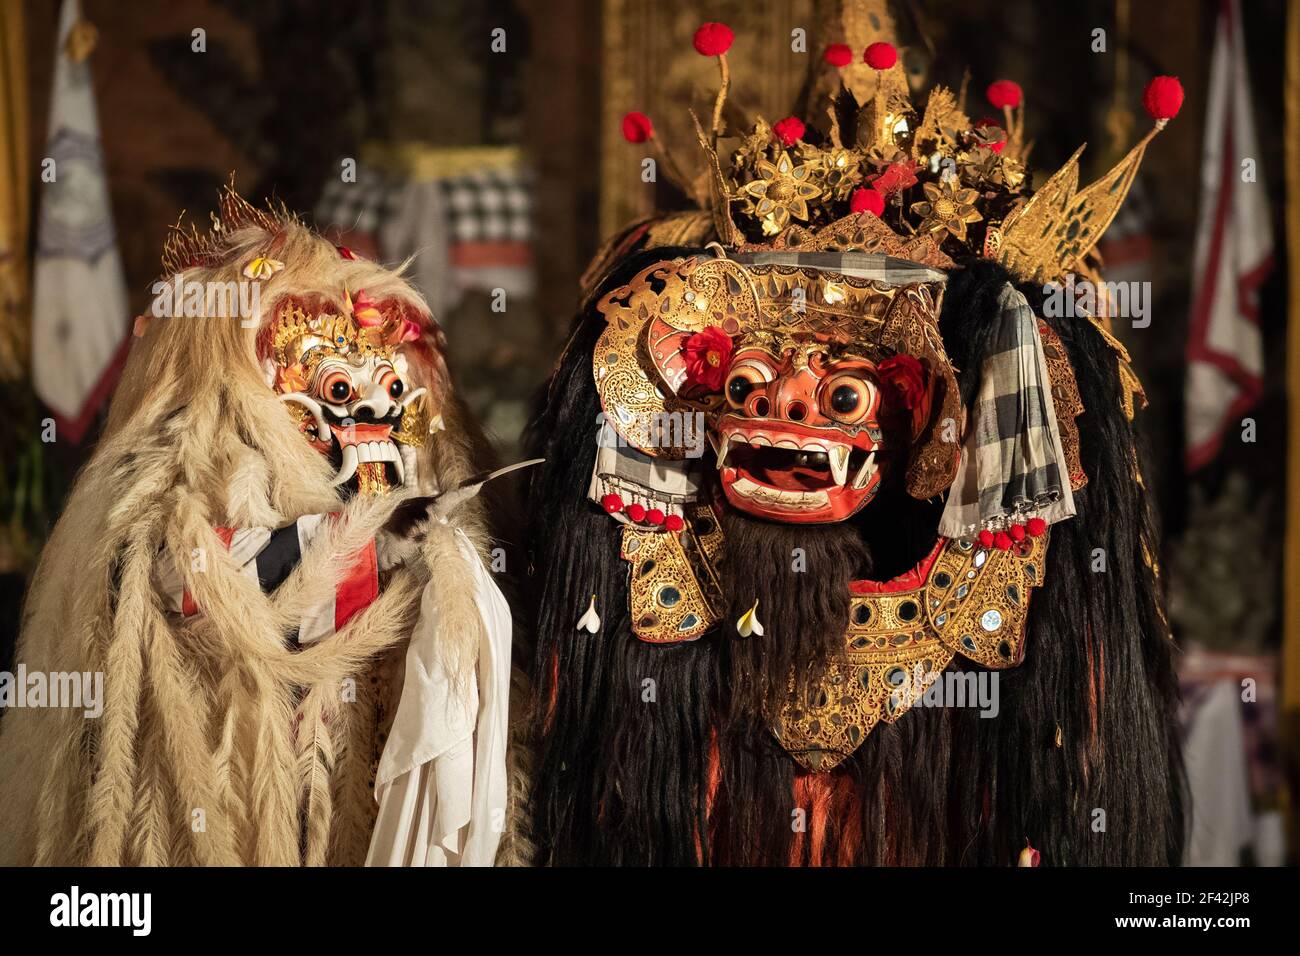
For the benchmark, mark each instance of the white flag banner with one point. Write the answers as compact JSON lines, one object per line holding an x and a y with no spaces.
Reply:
{"x":79,"y":302}
{"x":1234,"y":252}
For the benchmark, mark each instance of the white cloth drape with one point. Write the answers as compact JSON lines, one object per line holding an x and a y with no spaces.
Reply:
{"x":441,"y":785}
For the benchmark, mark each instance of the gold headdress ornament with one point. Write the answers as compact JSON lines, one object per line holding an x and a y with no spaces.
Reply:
{"x":931,"y":173}
{"x":185,"y":247}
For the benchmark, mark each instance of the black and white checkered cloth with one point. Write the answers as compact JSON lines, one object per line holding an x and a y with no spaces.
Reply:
{"x":1012,"y":462}
{"x":873,"y":266}
{"x":361,"y":206}
{"x":486,"y":206}
{"x":489,"y":206}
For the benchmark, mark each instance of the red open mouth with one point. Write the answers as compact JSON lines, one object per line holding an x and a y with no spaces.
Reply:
{"x":796,"y":473}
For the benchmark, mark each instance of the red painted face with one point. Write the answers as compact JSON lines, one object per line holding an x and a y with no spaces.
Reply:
{"x":798,"y":440}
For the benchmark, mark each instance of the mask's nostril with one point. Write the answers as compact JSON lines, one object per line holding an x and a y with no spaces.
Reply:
{"x":796,"y":411}
{"x":761,"y":407}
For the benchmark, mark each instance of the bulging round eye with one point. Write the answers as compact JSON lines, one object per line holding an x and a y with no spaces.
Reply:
{"x":392,"y":384}
{"x":336,"y":388}
{"x":744,"y":378}
{"x":847,"y":398}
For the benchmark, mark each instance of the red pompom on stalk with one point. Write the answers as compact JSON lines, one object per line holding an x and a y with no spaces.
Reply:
{"x":612,"y":503}
{"x":654,"y":516}
{"x":636,"y":512}
{"x":838,"y":54}
{"x":1005,"y":94}
{"x":789,"y":130}
{"x":1017,"y":532}
{"x":713,"y":39}
{"x":1037,"y":527}
{"x":674,"y":523}
{"x":986,"y":538}
{"x":1002,"y":541}
{"x":880,"y":56}
{"x":867,"y":200}
{"x":637,"y":127}
{"x":1163,"y":97}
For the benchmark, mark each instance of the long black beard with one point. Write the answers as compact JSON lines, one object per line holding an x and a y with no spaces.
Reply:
{"x":799,"y":575}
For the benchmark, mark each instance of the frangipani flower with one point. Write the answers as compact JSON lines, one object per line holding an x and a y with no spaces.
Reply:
{"x":749,"y":623}
{"x":590,"y":622}
{"x":262,"y":268}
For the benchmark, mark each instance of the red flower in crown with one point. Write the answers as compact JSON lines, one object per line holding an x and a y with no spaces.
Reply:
{"x":708,"y":354}
{"x":365,"y":310}
{"x":410,"y":330}
{"x":895,"y":178}
{"x":905,"y":377}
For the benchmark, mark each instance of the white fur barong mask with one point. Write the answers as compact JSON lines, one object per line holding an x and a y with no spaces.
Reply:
{"x":240,"y":561}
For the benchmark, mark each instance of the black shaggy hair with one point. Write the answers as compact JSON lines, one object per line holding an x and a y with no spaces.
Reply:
{"x":662,"y":755}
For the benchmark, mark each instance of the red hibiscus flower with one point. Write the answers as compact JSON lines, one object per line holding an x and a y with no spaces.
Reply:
{"x":708,"y":354}
{"x":894,"y":178}
{"x":904,"y":376}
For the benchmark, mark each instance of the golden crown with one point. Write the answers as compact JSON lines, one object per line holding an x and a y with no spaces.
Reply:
{"x":947,"y":188}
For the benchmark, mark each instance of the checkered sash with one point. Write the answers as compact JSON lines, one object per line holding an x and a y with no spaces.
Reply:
{"x":860,"y":265}
{"x":1012,"y":463}
{"x":637,"y":478}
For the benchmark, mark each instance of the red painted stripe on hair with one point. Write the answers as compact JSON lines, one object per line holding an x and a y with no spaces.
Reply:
{"x":359,"y":587}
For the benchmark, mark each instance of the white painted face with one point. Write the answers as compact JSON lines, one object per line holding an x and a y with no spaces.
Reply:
{"x":357,"y":402}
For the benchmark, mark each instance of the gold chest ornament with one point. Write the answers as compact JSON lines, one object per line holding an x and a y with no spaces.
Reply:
{"x":964,"y":600}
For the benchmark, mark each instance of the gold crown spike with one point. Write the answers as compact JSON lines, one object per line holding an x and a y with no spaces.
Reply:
{"x":184,"y":248}
{"x":1059,"y":226}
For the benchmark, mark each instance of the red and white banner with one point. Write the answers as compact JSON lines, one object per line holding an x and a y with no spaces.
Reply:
{"x":1234,"y":253}
{"x":79,"y":302}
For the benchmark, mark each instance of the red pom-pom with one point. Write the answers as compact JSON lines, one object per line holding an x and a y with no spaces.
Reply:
{"x":674,"y":523}
{"x":838,"y":54}
{"x":880,"y":56}
{"x":867,"y":200}
{"x":612,"y":503}
{"x":713,"y":39}
{"x":636,"y":512}
{"x":1163,"y":97}
{"x":637,"y":127}
{"x":654,"y":516}
{"x":789,"y":130}
{"x":986,"y":538}
{"x":1037,"y":526}
{"x":1002,"y":541}
{"x":1017,"y":532}
{"x":1004,"y":93}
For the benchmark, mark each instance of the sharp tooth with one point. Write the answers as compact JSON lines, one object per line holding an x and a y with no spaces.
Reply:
{"x":721,"y":445}
{"x":399,"y":465}
{"x":865,"y":472}
{"x":839,"y":455}
{"x":349,"y":466}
